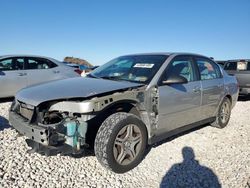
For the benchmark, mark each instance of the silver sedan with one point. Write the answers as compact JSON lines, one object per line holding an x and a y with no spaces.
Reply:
{"x":19,"y":71}
{"x":124,"y":106}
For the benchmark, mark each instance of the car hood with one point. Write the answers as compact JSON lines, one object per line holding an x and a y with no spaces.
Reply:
{"x":70,"y":88}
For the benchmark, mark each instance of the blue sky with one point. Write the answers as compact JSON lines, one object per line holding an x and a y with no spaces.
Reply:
{"x":101,"y":30}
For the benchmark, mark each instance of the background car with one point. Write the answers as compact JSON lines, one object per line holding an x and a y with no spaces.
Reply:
{"x":19,"y":71}
{"x":221,"y":63}
{"x":83,"y":70}
{"x":77,"y":68}
{"x":240,"y":69}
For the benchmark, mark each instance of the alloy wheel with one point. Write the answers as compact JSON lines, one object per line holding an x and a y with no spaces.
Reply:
{"x":127,"y":144}
{"x":225,"y":112}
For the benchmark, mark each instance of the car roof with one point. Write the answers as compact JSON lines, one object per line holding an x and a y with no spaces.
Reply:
{"x":238,"y":60}
{"x":34,"y":56}
{"x":165,"y":53}
{"x":24,"y":55}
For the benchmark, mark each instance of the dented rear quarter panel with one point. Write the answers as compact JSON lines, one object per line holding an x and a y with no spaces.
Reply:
{"x":231,"y":87}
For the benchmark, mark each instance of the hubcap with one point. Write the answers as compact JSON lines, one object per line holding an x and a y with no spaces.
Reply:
{"x":127,"y":144}
{"x":225,"y":112}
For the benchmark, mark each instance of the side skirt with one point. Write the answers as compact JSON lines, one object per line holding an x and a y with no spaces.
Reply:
{"x":184,"y":130}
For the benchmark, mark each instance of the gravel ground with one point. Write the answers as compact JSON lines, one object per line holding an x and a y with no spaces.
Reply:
{"x":207,"y":157}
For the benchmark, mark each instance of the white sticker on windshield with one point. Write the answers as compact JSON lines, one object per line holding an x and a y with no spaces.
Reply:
{"x":144,"y":65}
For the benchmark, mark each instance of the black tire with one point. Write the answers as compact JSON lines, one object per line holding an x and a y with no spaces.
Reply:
{"x":218,"y":123}
{"x":106,"y":136}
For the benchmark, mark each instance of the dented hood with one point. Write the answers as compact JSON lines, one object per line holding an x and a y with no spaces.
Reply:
{"x":71,"y":88}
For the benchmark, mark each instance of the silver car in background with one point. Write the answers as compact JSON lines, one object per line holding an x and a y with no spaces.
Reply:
{"x":125,"y":106}
{"x":19,"y":71}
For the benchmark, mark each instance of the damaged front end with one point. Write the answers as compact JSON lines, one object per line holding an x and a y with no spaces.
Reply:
{"x":64,"y":126}
{"x":48,"y":132}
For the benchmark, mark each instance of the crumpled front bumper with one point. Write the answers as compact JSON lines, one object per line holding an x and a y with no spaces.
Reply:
{"x":41,"y":140}
{"x":33,"y":132}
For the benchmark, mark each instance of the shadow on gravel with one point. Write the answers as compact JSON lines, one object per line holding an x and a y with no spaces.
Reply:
{"x":189,"y":173}
{"x":4,"y":123}
{"x":244,"y":98}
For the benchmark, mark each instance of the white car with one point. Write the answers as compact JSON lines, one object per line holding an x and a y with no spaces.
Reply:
{"x":19,"y":71}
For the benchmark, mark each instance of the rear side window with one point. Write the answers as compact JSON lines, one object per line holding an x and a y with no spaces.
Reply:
{"x":11,"y":64}
{"x":39,"y":63}
{"x":208,"y":69}
{"x":231,"y":66}
{"x":240,"y":66}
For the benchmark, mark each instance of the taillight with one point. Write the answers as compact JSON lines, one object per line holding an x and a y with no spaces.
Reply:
{"x":78,"y":71}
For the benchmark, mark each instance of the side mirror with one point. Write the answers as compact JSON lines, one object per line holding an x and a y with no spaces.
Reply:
{"x":174,"y":79}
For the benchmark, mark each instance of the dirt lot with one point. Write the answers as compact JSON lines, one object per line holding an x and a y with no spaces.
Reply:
{"x":207,"y":157}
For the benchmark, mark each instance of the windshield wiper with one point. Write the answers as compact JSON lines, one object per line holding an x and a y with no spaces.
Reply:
{"x":113,"y":78}
{"x":104,"y":77}
{"x":92,"y":76}
{"x":110,"y":77}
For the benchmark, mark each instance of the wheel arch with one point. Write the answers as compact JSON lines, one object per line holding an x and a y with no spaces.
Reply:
{"x":122,"y":106}
{"x":229,"y":97}
{"x":128,"y":106}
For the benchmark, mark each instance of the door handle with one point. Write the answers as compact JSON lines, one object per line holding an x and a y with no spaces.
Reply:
{"x":197,"y":89}
{"x":22,"y":74}
{"x":56,"y":72}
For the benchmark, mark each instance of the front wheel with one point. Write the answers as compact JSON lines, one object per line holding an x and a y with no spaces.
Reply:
{"x":121,"y":142}
{"x":223,"y":114}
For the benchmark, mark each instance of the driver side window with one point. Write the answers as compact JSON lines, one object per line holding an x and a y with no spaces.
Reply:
{"x":11,"y":64}
{"x":180,"y":66}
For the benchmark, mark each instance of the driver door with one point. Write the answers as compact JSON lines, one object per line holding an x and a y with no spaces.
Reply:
{"x":179,"y":104}
{"x":12,"y":76}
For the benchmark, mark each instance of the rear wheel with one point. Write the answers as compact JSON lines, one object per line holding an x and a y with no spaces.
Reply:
{"x":223,"y":114}
{"x":121,"y":142}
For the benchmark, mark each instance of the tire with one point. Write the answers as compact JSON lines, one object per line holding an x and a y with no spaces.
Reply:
{"x":113,"y":147}
{"x":219,"y":122}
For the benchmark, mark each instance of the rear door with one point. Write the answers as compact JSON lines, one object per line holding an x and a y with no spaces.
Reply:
{"x":212,"y":86}
{"x":41,"y":70}
{"x":12,"y":76}
{"x":179,"y":104}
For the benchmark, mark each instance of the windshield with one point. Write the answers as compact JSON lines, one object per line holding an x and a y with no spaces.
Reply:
{"x":138,"y":68}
